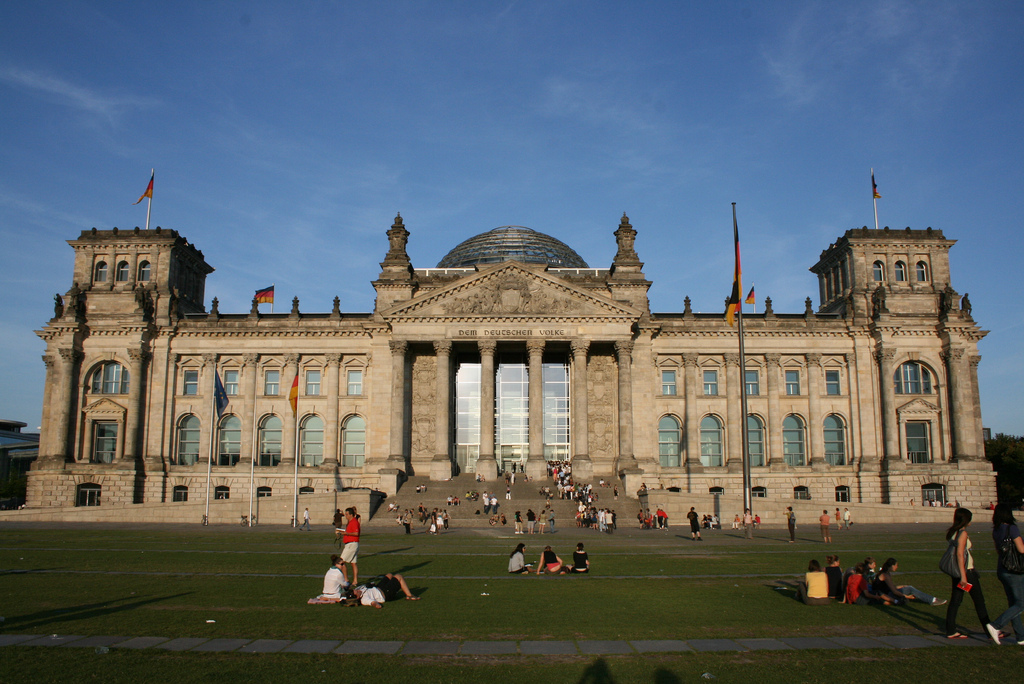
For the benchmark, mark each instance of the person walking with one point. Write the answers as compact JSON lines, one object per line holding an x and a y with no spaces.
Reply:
{"x":1006,"y":534}
{"x":846,"y":518}
{"x":305,"y":521}
{"x":826,"y":527}
{"x":969,"y":580}
{"x":694,"y":525}
{"x":748,"y":524}
{"x":791,"y":523}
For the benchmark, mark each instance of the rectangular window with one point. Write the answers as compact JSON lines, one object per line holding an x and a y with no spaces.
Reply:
{"x":231,"y":383}
{"x":917,"y":442}
{"x":190,"y":386}
{"x":793,"y":382}
{"x":752,"y":382}
{"x":312,"y":383}
{"x":668,"y":383}
{"x":271,"y":382}
{"x":104,"y":446}
{"x":832,"y":382}
{"x":710,"y":383}
{"x":355,"y":383}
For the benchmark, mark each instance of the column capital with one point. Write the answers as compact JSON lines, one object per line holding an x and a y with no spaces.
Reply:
{"x":486,"y":346}
{"x":732,"y":359}
{"x":952,"y":354}
{"x":209,"y":359}
{"x":250,"y":359}
{"x":535,"y":346}
{"x":813,"y":359}
{"x":69,"y":356}
{"x":773,"y":360}
{"x":885,"y":355}
{"x":138,"y":355}
{"x":690,"y":360}
{"x":579,"y":346}
{"x":334,"y":359}
{"x":974,"y":361}
{"x":291,"y":359}
{"x":442,"y":347}
{"x":49,"y":361}
{"x":398,"y":347}
{"x":624,"y":347}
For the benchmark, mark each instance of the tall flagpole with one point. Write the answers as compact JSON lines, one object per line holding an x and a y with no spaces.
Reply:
{"x":874,"y":196}
{"x":209,"y":460}
{"x":255,"y":441}
{"x":149,"y":206}
{"x":747,"y":498}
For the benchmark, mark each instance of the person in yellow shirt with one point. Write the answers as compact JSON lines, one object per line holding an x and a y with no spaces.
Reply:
{"x":814,"y":589}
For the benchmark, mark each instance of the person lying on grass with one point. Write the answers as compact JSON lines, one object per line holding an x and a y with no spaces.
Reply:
{"x":389,"y":588}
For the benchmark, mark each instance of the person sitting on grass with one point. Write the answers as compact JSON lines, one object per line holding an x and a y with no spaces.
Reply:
{"x":517,"y":561}
{"x":884,"y":585}
{"x":835,"y":577}
{"x":335,"y":583}
{"x":580,"y":561}
{"x":813,"y":590}
{"x":858,"y":591}
{"x":550,"y":563}
{"x":389,"y":588}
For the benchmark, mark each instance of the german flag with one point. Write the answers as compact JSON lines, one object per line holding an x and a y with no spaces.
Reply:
{"x":293,"y":394}
{"x":265,"y":296}
{"x":149,"y":189}
{"x":874,"y":188}
{"x":734,"y":298}
{"x":750,"y":296}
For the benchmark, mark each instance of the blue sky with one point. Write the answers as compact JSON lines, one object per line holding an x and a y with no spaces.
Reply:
{"x":286,"y":136}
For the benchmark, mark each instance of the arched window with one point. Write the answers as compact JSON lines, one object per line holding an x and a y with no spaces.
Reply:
{"x":269,"y":441}
{"x":793,"y":441}
{"x":759,"y":492}
{"x":100,"y":272}
{"x":912,"y":378}
{"x":835,"y":440}
{"x":716,"y":491}
{"x":222,"y":492}
{"x":121,"y":275}
{"x":755,"y":440}
{"x":263,"y":492}
{"x":933,"y":494}
{"x":711,"y":441}
{"x":311,"y":441}
{"x":188,"y":440}
{"x":901,"y":272}
{"x":670,"y":438}
{"x":110,"y":378}
{"x":180,"y":493}
{"x":878,"y":271}
{"x":88,"y":494}
{"x":842,"y":494}
{"x":306,"y":490}
{"x":144,"y":271}
{"x":353,"y":442}
{"x":922,"y":272}
{"x":802,"y":493}
{"x":230,"y":442}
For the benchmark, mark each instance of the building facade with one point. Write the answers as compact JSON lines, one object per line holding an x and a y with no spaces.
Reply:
{"x":511,"y":353}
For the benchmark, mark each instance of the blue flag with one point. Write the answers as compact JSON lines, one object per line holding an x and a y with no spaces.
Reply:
{"x":220,"y":397}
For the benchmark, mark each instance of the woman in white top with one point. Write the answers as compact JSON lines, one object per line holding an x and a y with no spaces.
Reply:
{"x":969,"y":581}
{"x":334,"y":580}
{"x":517,"y":561}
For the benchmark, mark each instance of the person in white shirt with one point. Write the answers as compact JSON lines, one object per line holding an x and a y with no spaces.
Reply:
{"x":334,"y":581}
{"x":388,"y":589}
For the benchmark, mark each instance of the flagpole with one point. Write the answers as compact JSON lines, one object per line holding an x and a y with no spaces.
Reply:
{"x":874,"y":196}
{"x":149,"y":205}
{"x":295,"y":484}
{"x":747,"y":499}
{"x":255,"y":445}
{"x":209,"y":460}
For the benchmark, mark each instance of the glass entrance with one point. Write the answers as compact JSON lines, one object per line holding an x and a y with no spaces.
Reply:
{"x":512,"y":412}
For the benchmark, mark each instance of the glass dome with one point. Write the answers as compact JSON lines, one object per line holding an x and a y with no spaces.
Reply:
{"x":512,"y":242}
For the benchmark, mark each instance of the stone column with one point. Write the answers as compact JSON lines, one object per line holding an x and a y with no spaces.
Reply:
{"x":396,"y":459}
{"x":890,"y":427}
{"x":692,"y":381}
{"x":736,"y":381}
{"x":773,"y":426}
{"x":67,"y":408}
{"x":441,"y":465}
{"x":290,"y":431}
{"x":536,"y":464}
{"x":816,"y":440}
{"x":45,"y":442}
{"x":961,"y":413}
{"x":624,"y":354}
{"x":247,"y":390}
{"x":486,"y":465}
{"x":582,"y":466}
{"x":136,"y":365}
{"x":331,"y":427}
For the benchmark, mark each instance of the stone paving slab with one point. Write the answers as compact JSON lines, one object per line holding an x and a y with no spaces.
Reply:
{"x":910,"y":641}
{"x":312,"y":646}
{"x":548,"y":648}
{"x":431,"y":648}
{"x":604,"y":647}
{"x":95,"y":641}
{"x":714,"y":645}
{"x":54,"y":640}
{"x":11,"y":639}
{"x":804,"y":643}
{"x":141,"y":642}
{"x":764,"y":644}
{"x":265,"y":646}
{"x":859,"y":642}
{"x":222,"y":645}
{"x":182,"y":643}
{"x":661,"y":646}
{"x":972,"y":640}
{"x":386,"y":647}
{"x":489,"y":648}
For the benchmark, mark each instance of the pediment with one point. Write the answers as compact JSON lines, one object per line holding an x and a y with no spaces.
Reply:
{"x":106,"y":407}
{"x":507,"y":290}
{"x":918,"y":406}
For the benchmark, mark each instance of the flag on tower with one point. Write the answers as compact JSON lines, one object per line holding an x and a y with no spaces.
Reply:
{"x":734,"y":298}
{"x":874,"y":188}
{"x":149,"y":189}
{"x":293,"y":394}
{"x":265,"y":296}
{"x":750,"y":296}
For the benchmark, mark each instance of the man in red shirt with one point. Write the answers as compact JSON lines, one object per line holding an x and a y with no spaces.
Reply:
{"x":350,"y":553}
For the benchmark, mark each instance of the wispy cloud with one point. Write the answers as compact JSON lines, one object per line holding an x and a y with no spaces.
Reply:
{"x":72,"y":95}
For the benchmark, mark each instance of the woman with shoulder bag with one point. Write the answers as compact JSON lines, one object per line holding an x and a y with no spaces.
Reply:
{"x":1007,"y":538}
{"x":969,"y":581}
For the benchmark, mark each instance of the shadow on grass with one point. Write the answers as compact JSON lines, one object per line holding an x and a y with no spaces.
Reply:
{"x":597,"y":672}
{"x":84,"y":612}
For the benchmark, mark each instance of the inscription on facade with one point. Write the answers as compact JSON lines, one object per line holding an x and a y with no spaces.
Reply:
{"x":512,"y":332}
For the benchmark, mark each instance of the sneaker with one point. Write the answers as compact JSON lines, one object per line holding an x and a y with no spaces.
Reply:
{"x":992,"y":632}
{"x":939,"y":602}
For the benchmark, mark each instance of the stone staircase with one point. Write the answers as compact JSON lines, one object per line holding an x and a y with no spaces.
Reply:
{"x":525,"y":495}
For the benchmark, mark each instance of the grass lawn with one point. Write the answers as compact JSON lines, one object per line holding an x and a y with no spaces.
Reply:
{"x":169,"y":581}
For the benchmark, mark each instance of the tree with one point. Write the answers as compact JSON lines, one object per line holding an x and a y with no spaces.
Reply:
{"x":1006,"y":453}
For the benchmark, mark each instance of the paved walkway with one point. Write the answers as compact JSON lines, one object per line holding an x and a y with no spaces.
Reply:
{"x":474,"y":648}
